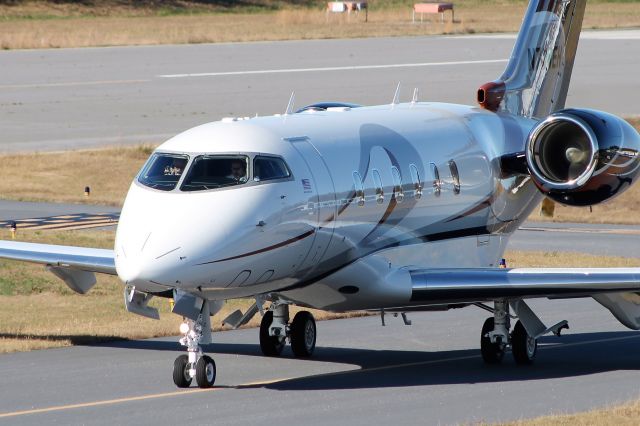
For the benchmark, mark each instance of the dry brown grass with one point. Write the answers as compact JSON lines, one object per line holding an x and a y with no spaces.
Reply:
{"x":539,"y":259}
{"x":62,"y":176}
{"x":472,"y":16}
{"x":621,"y":415}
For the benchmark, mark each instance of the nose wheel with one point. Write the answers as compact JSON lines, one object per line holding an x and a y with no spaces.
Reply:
{"x":181,"y":376}
{"x":194,"y":364}
{"x":205,"y":372}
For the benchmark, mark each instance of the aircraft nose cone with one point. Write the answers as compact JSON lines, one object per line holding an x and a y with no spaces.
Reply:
{"x":151,"y":264}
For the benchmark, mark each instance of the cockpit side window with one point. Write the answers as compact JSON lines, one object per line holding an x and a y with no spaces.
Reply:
{"x":269,"y":168}
{"x":216,"y":171}
{"x":163,"y":171}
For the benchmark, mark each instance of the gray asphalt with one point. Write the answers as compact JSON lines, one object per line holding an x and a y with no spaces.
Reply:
{"x":14,"y":210}
{"x":73,"y":98}
{"x":362,"y":374}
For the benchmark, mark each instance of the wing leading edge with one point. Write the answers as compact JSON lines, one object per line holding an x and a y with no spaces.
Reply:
{"x":76,"y":266}
{"x":484,"y":284}
{"x":617,"y":289}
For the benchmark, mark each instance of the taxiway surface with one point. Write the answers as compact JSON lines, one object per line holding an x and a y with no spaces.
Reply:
{"x":362,"y":374}
{"x":72,"y":98}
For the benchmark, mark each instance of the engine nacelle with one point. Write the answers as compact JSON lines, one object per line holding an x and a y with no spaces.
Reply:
{"x":582,"y":157}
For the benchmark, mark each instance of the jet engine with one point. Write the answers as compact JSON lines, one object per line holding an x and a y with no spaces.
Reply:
{"x":582,"y":157}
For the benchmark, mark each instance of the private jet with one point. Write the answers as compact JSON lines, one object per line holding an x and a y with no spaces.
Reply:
{"x":391,"y":208}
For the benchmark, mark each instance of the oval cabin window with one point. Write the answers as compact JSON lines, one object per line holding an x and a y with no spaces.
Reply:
{"x":359,"y":187}
{"x":437,"y":184}
{"x":377,"y":181}
{"x":397,"y":184}
{"x":453,"y":168}
{"x":417,"y":184}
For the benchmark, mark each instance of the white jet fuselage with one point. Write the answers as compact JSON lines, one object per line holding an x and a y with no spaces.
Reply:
{"x":371,"y":190}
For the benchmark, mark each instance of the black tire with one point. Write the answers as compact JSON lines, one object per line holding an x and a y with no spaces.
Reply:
{"x":205,"y":372}
{"x":181,"y":372}
{"x":270,"y":345}
{"x":523,"y":346}
{"x":492,"y":353}
{"x":303,"y":334}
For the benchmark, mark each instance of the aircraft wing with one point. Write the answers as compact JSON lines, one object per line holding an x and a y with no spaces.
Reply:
{"x":617,"y":289}
{"x":76,"y":266}
{"x":483,"y":284}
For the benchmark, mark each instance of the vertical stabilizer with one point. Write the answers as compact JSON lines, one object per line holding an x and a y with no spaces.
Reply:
{"x":536,"y":79}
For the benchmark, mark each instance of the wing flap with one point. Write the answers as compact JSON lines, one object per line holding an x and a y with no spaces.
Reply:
{"x":485,"y":284}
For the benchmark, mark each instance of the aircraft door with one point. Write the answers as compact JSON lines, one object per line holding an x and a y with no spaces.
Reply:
{"x":318,"y":184}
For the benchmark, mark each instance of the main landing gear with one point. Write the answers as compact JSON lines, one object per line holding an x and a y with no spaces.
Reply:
{"x":275,"y":329}
{"x":195,"y":364}
{"x":495,"y":336}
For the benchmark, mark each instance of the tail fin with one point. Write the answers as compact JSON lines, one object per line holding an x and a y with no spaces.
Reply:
{"x":536,"y":79}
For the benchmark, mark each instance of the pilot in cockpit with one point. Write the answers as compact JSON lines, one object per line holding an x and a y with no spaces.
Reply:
{"x":175,"y":168}
{"x":238,"y":171}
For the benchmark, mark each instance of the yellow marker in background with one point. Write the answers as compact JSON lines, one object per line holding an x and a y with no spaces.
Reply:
{"x":503,"y":264}
{"x":171,"y":304}
{"x":547,"y":208}
{"x":14,"y":229}
{"x":87,"y":191}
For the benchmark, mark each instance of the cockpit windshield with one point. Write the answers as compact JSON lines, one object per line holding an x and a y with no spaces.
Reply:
{"x":216,"y":171}
{"x":163,"y":171}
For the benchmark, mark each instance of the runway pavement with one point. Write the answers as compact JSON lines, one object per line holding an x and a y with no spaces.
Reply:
{"x":72,"y":98}
{"x":362,"y":374}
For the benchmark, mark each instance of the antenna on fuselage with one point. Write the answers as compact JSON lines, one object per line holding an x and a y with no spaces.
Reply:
{"x":396,"y":96}
{"x":414,"y":99}
{"x":290,"y":104}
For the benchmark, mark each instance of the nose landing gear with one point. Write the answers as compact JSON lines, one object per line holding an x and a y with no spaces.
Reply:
{"x":195,"y":364}
{"x":275,"y":329}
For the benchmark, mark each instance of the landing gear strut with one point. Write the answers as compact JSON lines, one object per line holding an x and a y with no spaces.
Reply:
{"x":495,"y":334}
{"x":275,"y":329}
{"x":195,"y":364}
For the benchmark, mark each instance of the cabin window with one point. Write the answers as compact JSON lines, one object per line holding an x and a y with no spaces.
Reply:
{"x":417,"y":184}
{"x":357,"y":182}
{"x":269,"y":168}
{"x":377,"y":181}
{"x":163,"y":171}
{"x":397,"y":184}
{"x":437,"y":183}
{"x":216,"y":171}
{"x":453,"y":168}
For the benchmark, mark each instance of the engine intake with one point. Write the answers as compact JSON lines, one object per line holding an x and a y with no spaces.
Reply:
{"x":583,"y":157}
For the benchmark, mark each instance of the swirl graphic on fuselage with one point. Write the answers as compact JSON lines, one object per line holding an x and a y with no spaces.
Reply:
{"x":401,"y":154}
